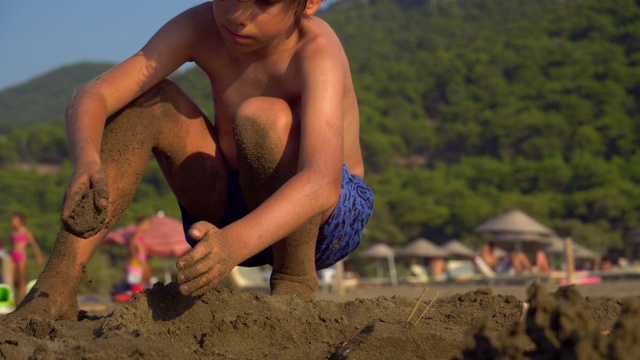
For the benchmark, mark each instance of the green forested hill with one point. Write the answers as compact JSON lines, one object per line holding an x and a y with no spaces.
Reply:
{"x":43,"y":99}
{"x":468,"y":108}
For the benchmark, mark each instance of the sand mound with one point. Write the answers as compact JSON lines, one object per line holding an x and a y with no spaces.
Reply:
{"x":231,"y":324}
{"x":563,"y":326}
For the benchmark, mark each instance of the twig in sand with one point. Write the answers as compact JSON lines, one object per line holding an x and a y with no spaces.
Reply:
{"x":415,"y":308}
{"x":428,"y":306}
{"x":525,"y":308}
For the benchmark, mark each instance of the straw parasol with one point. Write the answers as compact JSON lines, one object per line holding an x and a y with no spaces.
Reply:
{"x":457,"y":250}
{"x":557,"y":247}
{"x":515,"y":230}
{"x":514,"y":221}
{"x":381,"y":252}
{"x":520,"y":241}
{"x":377,"y":251}
{"x":422,"y":248}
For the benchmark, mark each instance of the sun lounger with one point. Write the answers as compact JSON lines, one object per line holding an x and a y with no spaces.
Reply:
{"x":616,"y":274}
{"x":491,"y":277}
{"x":250,"y":278}
{"x":7,"y":304}
{"x":463,"y":271}
{"x":418,"y":275}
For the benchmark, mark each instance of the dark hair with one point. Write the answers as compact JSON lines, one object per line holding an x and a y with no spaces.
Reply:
{"x":141,"y":218}
{"x":19,"y":215}
{"x":300,"y":5}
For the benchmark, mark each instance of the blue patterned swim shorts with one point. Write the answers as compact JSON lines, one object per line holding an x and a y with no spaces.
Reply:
{"x":337,"y":238}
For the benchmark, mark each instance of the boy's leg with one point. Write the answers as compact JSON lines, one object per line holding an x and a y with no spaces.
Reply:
{"x":166,"y":123}
{"x":267,"y":139}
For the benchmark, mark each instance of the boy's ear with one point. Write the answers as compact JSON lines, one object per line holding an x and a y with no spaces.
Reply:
{"x":312,"y":7}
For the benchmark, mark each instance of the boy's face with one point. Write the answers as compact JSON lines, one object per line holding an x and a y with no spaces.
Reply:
{"x":247,"y":25}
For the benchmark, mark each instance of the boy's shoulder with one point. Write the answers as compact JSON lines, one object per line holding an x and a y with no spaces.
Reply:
{"x":319,"y":31}
{"x":318,"y":42}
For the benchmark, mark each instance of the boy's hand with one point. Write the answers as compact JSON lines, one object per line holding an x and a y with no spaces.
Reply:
{"x":208,"y":263}
{"x":84,"y":212}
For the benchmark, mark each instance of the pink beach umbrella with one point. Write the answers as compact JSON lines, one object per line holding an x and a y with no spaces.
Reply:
{"x":164,"y":238}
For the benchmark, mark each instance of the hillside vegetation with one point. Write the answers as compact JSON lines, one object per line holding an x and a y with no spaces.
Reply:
{"x":468,"y":108}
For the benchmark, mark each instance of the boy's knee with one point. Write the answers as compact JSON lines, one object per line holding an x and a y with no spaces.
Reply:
{"x":262,"y":118}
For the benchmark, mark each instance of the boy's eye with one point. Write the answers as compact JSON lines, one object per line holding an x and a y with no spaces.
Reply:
{"x":266,"y":2}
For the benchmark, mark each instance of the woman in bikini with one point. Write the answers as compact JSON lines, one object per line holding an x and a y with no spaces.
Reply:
{"x":20,"y":238}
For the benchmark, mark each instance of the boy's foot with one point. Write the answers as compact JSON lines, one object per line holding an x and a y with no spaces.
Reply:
{"x":303,"y":287}
{"x":54,"y":305}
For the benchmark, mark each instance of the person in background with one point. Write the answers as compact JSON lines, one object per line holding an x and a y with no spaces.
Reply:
{"x":520,"y":263}
{"x":516,"y":262}
{"x":21,"y":237}
{"x":138,"y":270}
{"x":542,"y":263}
{"x":438,"y":269}
{"x":489,"y":257}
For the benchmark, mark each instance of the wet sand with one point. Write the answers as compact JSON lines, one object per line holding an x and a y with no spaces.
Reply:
{"x":465,"y":321}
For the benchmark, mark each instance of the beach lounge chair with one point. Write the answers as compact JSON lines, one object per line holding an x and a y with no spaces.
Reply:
{"x":7,"y":303}
{"x":249,"y":278}
{"x":418,"y":275}
{"x":492,"y":277}
{"x":463,"y":271}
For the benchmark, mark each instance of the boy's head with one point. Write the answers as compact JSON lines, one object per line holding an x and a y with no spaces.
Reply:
{"x":299,"y":5}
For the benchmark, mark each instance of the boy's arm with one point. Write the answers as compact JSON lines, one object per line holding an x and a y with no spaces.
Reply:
{"x":86,"y":114}
{"x":313,"y":190}
{"x":316,"y":186}
{"x":167,"y":50}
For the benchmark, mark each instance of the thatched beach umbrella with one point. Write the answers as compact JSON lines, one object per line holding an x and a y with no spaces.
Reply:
{"x":381,"y":252}
{"x":457,"y":250}
{"x":515,"y":230}
{"x":557,"y":247}
{"x":514,"y":221}
{"x":520,"y":241}
{"x":422,"y":248}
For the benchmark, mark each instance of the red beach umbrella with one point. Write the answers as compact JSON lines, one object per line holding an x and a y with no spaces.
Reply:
{"x":164,"y":238}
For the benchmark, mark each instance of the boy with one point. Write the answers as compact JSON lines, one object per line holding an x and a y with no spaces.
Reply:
{"x":280,"y":173}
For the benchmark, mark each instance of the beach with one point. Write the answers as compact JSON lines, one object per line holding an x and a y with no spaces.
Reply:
{"x":464,"y":321}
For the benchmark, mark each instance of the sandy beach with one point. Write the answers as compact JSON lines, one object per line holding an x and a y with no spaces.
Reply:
{"x":465,"y":321}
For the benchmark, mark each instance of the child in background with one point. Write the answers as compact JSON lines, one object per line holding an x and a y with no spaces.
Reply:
{"x":21,"y":237}
{"x":138,"y":271}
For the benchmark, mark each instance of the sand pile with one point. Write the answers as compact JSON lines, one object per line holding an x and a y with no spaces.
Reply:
{"x":234,"y":324}
{"x":563,"y":325}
